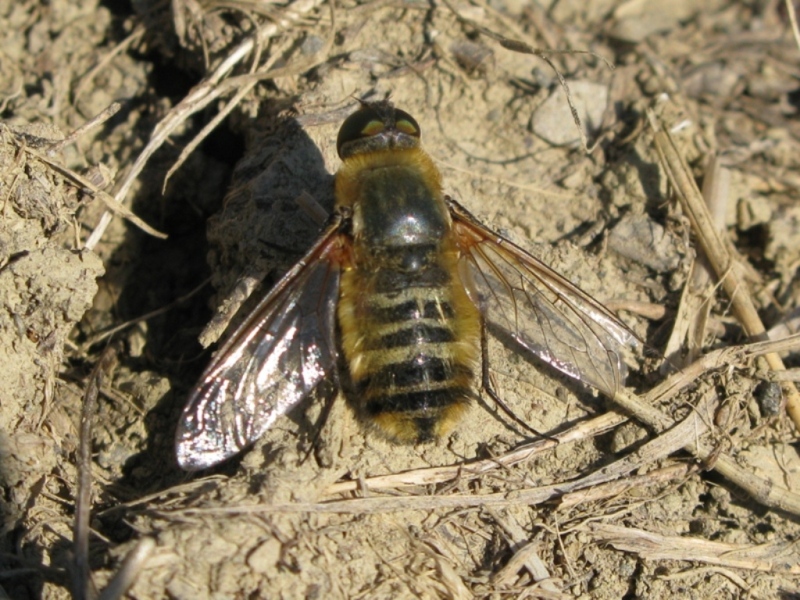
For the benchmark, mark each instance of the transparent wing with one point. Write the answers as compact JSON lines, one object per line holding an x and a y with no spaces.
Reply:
{"x":276,"y":358}
{"x":539,"y":309}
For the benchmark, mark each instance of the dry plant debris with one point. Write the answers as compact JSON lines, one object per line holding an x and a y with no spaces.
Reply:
{"x":688,"y":487}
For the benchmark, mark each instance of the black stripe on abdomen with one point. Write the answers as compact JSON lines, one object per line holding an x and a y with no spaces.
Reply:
{"x":415,"y":334}
{"x":411,"y":310}
{"x":421,"y":372}
{"x":420,"y":402}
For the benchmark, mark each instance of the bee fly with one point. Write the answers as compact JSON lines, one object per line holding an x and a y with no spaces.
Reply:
{"x":390,"y":304}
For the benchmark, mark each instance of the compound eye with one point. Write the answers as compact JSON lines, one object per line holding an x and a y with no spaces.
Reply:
{"x":405,"y":123}
{"x":365,"y":122}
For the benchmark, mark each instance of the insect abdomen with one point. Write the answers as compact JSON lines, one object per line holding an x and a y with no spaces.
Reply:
{"x":410,"y":335}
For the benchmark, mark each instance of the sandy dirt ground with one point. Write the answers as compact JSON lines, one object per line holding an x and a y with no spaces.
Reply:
{"x":225,"y":134}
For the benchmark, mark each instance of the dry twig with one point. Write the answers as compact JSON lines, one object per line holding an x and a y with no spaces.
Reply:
{"x":793,"y":19}
{"x":718,"y":253}
{"x":129,"y":571}
{"x":526,"y":556}
{"x":83,"y":588}
{"x":780,"y":557}
{"x":689,"y":330}
{"x":102,"y":335}
{"x":100,"y":118}
{"x":212,"y":87}
{"x":88,"y":187}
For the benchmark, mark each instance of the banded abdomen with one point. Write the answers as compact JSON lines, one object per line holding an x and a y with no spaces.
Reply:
{"x":410,"y":336}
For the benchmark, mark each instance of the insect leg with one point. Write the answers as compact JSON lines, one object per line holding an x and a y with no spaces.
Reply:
{"x":318,"y":448}
{"x":488,"y":387}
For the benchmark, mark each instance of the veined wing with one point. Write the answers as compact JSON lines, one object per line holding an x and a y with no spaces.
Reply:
{"x":275,"y":359}
{"x":541,"y":310}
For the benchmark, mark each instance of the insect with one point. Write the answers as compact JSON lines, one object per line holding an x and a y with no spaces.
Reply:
{"x":391,"y":304}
